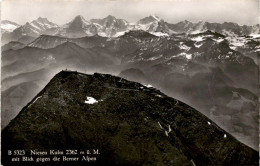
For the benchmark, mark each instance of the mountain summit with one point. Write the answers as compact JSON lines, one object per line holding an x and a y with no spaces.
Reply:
{"x":110,"y":26}
{"x":129,"y":123}
{"x":79,"y":22}
{"x":78,"y":27}
{"x":149,"y":19}
{"x":36,"y":27}
{"x":154,"y":24}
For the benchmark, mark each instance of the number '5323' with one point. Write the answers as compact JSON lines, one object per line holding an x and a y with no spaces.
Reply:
{"x":16,"y":152}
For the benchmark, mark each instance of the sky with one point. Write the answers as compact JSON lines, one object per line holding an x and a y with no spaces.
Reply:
{"x":243,"y":12}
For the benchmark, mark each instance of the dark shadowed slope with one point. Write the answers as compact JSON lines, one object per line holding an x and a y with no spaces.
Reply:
{"x":129,"y":123}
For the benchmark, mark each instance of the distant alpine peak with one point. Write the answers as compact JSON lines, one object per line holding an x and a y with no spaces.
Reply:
{"x":110,"y":17}
{"x":41,"y":24}
{"x":79,"y":17}
{"x":9,"y":22}
{"x":186,"y":21}
{"x":230,"y":23}
{"x":8,"y":26}
{"x":41,"y":19}
{"x":156,"y":17}
{"x":26,"y":24}
{"x":149,"y":19}
{"x":81,"y":20}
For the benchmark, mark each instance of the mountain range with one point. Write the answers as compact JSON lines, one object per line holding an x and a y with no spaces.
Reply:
{"x":129,"y":124}
{"x":113,"y":27}
{"x":214,"y":71}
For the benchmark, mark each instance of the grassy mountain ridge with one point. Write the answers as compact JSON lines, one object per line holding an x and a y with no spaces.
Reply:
{"x":131,"y":125}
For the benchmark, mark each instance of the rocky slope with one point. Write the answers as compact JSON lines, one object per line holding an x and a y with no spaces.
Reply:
{"x":129,"y":123}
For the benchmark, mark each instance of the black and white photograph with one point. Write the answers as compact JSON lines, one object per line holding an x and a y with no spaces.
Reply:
{"x":130,"y":82}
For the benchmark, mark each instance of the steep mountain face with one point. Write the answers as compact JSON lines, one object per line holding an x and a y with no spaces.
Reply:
{"x":182,"y":27}
{"x":34,"y":28}
{"x":198,"y":28}
{"x":78,"y":27}
{"x":110,"y":26}
{"x":129,"y":123}
{"x":42,"y":24}
{"x":154,"y":24}
{"x":8,"y":26}
{"x":148,"y":23}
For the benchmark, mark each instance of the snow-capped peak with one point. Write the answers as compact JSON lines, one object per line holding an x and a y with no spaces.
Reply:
{"x":152,"y":24}
{"x":8,"y":26}
{"x":38,"y":26}
{"x":149,"y":19}
{"x":35,"y":28}
{"x":156,"y":18}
